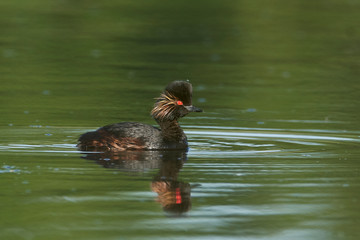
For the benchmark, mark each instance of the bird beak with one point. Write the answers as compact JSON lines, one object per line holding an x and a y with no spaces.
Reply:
{"x":193,"y":109}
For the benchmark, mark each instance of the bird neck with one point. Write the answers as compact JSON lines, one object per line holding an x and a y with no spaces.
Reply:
{"x":171,"y":131}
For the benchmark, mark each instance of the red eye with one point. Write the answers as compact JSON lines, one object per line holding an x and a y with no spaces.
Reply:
{"x":179,"y":103}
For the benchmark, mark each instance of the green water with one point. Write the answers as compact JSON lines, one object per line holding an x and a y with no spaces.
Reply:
{"x":275,"y":155}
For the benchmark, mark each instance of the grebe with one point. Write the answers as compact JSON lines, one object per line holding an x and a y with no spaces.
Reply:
{"x":175,"y":102}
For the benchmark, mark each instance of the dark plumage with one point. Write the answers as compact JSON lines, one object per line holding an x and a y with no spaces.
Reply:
{"x":175,"y":102}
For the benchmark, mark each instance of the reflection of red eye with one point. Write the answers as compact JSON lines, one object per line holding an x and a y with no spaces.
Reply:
{"x":179,"y":103}
{"x":178,"y":196}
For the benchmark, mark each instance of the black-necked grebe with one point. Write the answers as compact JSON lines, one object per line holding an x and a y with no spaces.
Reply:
{"x":175,"y":102}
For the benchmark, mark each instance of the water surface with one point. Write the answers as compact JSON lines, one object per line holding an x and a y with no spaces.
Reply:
{"x":274,"y":156}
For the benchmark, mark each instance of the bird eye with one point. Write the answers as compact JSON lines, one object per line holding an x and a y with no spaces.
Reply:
{"x":179,"y":103}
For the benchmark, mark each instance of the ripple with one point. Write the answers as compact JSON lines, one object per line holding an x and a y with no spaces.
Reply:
{"x":212,"y":134}
{"x":228,"y":142}
{"x":9,"y":169}
{"x":235,"y":142}
{"x":46,"y":148}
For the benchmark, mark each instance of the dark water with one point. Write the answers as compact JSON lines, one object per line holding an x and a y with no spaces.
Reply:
{"x":275,"y":155}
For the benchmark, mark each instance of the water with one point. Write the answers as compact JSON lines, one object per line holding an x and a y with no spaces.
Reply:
{"x":274,"y":156}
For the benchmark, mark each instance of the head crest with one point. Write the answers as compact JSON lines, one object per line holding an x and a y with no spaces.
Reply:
{"x":177,"y":93}
{"x":181,"y":90}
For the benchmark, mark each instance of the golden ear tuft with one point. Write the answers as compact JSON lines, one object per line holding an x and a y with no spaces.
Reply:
{"x":165,"y":104}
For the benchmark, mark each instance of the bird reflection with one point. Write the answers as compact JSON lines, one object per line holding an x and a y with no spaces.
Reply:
{"x":173,"y":195}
